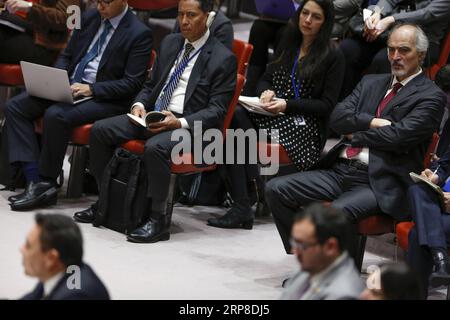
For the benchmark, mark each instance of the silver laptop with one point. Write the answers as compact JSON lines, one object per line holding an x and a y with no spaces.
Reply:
{"x":48,"y":83}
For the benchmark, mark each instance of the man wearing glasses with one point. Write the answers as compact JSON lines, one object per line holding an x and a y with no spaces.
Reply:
{"x":107,"y":60}
{"x":319,"y":241}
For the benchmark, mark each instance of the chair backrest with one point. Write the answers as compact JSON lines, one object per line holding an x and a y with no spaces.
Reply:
{"x":151,"y":62}
{"x":443,"y":56}
{"x":152,"y":4}
{"x":430,"y":151}
{"x":243,"y":51}
{"x":237,"y":92}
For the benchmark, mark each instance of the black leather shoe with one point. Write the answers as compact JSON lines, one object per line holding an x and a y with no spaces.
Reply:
{"x":39,"y":194}
{"x":17,"y":197}
{"x":233,"y":219}
{"x":87,"y":215}
{"x":441,"y":275}
{"x":153,"y":231}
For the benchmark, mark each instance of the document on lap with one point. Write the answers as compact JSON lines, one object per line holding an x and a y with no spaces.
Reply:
{"x":150,"y":117}
{"x":418,"y":178}
{"x":253,"y":104}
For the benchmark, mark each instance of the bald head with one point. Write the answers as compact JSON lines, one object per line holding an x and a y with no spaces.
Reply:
{"x":407,"y":46}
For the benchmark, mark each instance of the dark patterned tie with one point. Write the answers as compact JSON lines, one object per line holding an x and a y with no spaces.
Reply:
{"x":94,"y":52}
{"x":351,"y":151}
{"x":164,"y":99}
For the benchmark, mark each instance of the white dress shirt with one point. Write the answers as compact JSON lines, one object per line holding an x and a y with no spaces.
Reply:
{"x":51,"y":283}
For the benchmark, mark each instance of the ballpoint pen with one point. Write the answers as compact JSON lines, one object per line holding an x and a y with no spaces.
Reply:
{"x":435,"y":172}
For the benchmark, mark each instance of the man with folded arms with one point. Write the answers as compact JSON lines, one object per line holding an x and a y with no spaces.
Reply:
{"x":387,"y":122}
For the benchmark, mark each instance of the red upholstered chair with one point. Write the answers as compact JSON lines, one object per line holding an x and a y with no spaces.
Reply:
{"x":10,"y":78}
{"x":243,"y":51}
{"x":187,"y":164}
{"x":79,"y":142}
{"x":443,"y":56}
{"x":381,"y":224}
{"x":402,"y":232}
{"x":152,"y":4}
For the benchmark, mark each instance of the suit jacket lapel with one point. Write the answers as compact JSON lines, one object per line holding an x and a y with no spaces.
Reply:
{"x":86,"y":40}
{"x":166,"y":63}
{"x":197,"y":70}
{"x":409,"y":89}
{"x":379,"y":91}
{"x":118,"y":35}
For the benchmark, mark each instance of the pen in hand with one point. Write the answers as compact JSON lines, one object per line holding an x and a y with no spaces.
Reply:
{"x":434,"y":172}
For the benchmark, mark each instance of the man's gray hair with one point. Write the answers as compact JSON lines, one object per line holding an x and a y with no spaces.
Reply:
{"x":421,"y":38}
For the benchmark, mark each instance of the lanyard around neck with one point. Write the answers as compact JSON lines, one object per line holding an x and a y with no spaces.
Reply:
{"x":296,"y":85}
{"x":180,"y":68}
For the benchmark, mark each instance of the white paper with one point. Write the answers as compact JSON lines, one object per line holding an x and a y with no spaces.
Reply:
{"x":253,"y":104}
{"x":136,"y":119}
{"x":366,"y":14}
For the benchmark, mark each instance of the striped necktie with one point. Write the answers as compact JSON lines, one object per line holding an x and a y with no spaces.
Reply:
{"x":164,"y":99}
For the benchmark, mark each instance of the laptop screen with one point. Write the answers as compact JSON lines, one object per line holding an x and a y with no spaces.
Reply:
{"x":278,"y":9}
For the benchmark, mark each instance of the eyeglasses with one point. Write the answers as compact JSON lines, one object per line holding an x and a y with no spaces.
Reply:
{"x":106,"y":2}
{"x":301,"y":245}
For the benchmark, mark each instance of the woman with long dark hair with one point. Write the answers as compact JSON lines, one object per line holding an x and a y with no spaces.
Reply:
{"x":306,"y":76}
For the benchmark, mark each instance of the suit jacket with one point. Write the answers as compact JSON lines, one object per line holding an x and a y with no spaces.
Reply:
{"x":221,"y":28}
{"x":395,"y":150}
{"x":432,"y":15}
{"x":210,"y":87}
{"x":123,"y":67}
{"x":91,"y":288}
{"x":341,"y":282}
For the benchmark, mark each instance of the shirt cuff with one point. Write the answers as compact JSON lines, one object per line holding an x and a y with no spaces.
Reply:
{"x":137,"y":104}
{"x":184,"y":123}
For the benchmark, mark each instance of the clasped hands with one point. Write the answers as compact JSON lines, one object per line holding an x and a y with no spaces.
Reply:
{"x":17,"y":5}
{"x":374,"y":25}
{"x":271,"y":105}
{"x":170,"y":122}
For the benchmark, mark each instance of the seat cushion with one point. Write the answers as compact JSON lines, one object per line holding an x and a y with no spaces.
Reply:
{"x":376,"y":225}
{"x":186,"y":160}
{"x":11,"y":75}
{"x":80,"y":135}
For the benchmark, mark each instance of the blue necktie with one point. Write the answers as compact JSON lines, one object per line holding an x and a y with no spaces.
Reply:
{"x":94,"y":52}
{"x":164,"y":99}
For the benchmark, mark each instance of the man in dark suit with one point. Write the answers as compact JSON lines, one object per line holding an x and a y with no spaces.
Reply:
{"x":193,"y":81}
{"x":386,"y":137}
{"x":53,"y":253}
{"x":107,"y":60}
{"x":430,"y":237}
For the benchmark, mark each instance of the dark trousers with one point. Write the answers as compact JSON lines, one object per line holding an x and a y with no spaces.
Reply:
{"x":16,"y":46}
{"x":108,"y":134}
{"x":242,"y":175}
{"x":432,"y":229}
{"x":59,"y":120}
{"x":264,"y":33}
{"x":345,"y":186}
